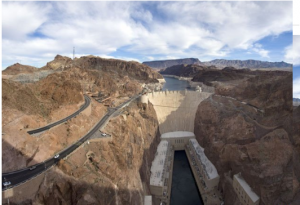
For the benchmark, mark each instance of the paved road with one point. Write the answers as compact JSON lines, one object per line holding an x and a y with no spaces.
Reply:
{"x":20,"y":176}
{"x":47,"y":127}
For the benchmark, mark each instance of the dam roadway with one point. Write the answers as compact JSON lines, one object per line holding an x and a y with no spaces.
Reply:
{"x":47,"y":127}
{"x":20,"y":176}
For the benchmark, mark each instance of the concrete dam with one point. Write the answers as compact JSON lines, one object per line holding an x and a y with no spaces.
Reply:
{"x":176,"y":109}
{"x":176,"y":112}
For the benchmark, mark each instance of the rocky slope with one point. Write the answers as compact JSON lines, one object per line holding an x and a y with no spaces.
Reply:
{"x":18,"y":68}
{"x":168,"y":63}
{"x":186,"y":70}
{"x":227,"y":74}
{"x":296,"y":156}
{"x":221,"y":63}
{"x":33,"y":105}
{"x":113,"y":170}
{"x":132,"y":69}
{"x":238,"y":137}
{"x":59,"y":63}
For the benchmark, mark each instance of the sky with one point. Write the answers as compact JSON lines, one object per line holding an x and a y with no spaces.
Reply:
{"x":296,"y":66}
{"x":33,"y":33}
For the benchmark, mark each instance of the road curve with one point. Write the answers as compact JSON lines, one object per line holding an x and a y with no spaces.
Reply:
{"x":20,"y":176}
{"x":47,"y":127}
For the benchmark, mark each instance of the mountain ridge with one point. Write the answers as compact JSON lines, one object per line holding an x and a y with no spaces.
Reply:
{"x":219,"y":63}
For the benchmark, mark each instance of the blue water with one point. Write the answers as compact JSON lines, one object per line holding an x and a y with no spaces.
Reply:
{"x":184,"y":188}
{"x":175,"y":84}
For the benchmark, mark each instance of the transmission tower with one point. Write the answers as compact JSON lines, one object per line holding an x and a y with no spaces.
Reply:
{"x":73,"y":53}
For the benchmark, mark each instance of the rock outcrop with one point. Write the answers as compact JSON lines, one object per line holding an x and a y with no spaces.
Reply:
{"x":132,"y":69}
{"x":114,"y":170}
{"x":18,"y":69}
{"x":247,"y":129}
{"x":186,"y":70}
{"x":168,"y":63}
{"x":59,"y":63}
{"x":32,"y":105}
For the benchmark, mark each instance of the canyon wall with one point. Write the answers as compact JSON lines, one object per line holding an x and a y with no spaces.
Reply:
{"x":239,"y":138}
{"x":106,"y":171}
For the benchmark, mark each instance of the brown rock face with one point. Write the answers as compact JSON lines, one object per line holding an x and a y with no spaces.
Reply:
{"x":132,"y":69}
{"x":296,"y":157}
{"x":19,"y":68}
{"x":43,"y":97}
{"x":239,"y":138}
{"x":227,"y":74}
{"x":33,"y":105}
{"x":59,"y":63}
{"x":113,"y":170}
{"x":186,"y":70}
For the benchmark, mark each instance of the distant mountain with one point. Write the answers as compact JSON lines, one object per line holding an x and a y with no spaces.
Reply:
{"x":221,"y":63}
{"x":19,"y":68}
{"x":168,"y":63}
{"x":296,"y":101}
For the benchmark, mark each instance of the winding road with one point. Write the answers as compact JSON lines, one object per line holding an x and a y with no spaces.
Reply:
{"x":20,"y":176}
{"x":47,"y":127}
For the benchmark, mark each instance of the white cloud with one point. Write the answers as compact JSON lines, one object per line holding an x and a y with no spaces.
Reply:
{"x":296,"y":88}
{"x":259,"y":49}
{"x":174,"y":29}
{"x":292,"y":52}
{"x":20,"y":19}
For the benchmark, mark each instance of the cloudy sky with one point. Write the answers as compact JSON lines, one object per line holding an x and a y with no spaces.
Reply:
{"x":34,"y":32}
{"x":296,"y":70}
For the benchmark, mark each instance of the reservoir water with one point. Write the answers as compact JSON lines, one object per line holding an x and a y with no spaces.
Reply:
{"x":175,"y":84}
{"x":184,"y":188}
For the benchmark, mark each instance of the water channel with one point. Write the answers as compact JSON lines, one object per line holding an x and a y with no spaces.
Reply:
{"x":184,"y":188}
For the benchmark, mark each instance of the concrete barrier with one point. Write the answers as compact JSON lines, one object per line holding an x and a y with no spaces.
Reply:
{"x":176,"y":109}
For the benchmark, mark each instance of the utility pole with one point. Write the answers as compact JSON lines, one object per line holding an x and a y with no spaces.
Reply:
{"x":73,"y":53}
{"x":73,"y":57}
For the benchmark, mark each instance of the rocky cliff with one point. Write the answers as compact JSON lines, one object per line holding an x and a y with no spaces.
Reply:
{"x":186,"y":70}
{"x":112,"y":170}
{"x":32,"y":105}
{"x":168,"y":63}
{"x":18,"y":68}
{"x":132,"y":69}
{"x":296,"y":157}
{"x":250,"y":131}
{"x":58,"y":63}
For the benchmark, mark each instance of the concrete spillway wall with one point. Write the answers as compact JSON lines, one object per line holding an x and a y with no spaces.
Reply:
{"x":176,"y":109}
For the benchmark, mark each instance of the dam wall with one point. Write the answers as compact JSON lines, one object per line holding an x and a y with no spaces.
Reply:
{"x":176,"y":110}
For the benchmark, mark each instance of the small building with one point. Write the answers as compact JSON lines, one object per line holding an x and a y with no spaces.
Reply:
{"x":161,"y":172}
{"x":245,"y":194}
{"x":198,"y":89}
{"x":178,"y":139}
{"x":148,"y":200}
{"x":205,"y":169}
